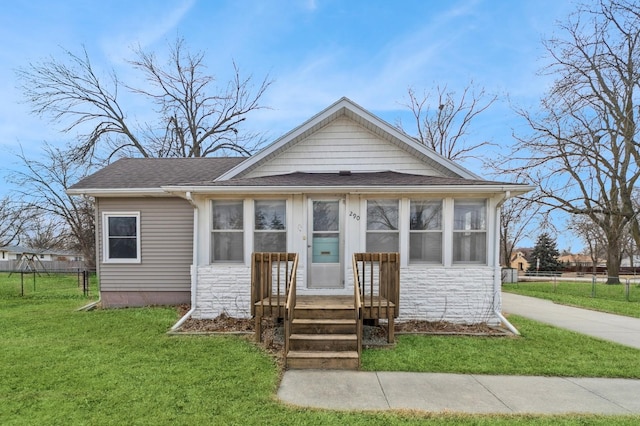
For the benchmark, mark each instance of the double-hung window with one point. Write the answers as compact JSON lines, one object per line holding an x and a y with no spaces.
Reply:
{"x":425,"y":231}
{"x":382,"y":226}
{"x":121,"y":237}
{"x":470,"y":231}
{"x":270,"y":233}
{"x":227,"y":232}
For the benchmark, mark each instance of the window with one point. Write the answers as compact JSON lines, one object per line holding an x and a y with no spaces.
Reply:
{"x":122,"y":237}
{"x":382,"y":226}
{"x":227,"y":236}
{"x":470,"y":231}
{"x":425,"y":231}
{"x":270,"y":232}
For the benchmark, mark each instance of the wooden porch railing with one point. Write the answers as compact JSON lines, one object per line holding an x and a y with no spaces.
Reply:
{"x":358,"y":306}
{"x":289,"y":308}
{"x":273,"y":278}
{"x":378,"y":276}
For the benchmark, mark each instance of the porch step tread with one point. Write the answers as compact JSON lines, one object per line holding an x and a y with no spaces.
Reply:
{"x":324,"y":336}
{"x":324,"y":321}
{"x":327,"y":306}
{"x":323,"y":354}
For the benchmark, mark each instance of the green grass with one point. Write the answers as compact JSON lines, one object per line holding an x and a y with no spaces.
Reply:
{"x":45,"y":286}
{"x":541,"y":351}
{"x":114,"y":367}
{"x":608,"y":298}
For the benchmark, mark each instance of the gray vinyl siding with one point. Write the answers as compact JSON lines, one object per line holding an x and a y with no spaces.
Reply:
{"x":166,"y":243}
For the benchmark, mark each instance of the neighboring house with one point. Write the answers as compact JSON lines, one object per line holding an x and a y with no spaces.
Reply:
{"x":11,"y":256}
{"x":8,"y":253}
{"x":628,"y":262}
{"x":519,"y":261}
{"x":45,"y":255}
{"x":579,"y":261}
{"x":183,"y":230}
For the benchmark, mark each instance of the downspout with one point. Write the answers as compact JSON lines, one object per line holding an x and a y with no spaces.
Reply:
{"x":497,"y":276}
{"x":194,"y":269}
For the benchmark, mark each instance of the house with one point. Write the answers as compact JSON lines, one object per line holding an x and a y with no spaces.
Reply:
{"x":519,"y":261}
{"x":19,"y":257}
{"x":578,"y":261}
{"x":630,"y":262}
{"x":173,"y":231}
{"x":8,"y":253}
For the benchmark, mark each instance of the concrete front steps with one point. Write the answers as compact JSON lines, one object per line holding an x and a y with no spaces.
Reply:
{"x":324,"y":335}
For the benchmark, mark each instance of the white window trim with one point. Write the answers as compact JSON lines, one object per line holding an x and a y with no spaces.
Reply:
{"x":248,"y":209}
{"x":401,"y":228}
{"x":105,"y":237}
{"x":485,"y":231}
{"x":408,"y":232}
{"x":247,"y":223}
{"x":284,"y":231}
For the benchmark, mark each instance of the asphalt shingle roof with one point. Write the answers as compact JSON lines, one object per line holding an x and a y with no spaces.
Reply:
{"x":157,"y":172}
{"x":154,"y":173}
{"x":388,"y":178}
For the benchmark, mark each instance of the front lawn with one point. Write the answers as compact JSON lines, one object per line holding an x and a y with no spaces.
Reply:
{"x":603,"y":297}
{"x":541,"y":351}
{"x":114,"y":367}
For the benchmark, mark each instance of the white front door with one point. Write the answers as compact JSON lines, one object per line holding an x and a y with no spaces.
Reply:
{"x":325,"y":243}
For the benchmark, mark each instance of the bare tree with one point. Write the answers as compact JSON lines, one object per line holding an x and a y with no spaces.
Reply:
{"x":594,"y":238}
{"x":195,"y":118}
{"x":443,"y":119}
{"x":582,"y":152}
{"x":12,"y":221}
{"x":42,"y":186}
{"x":516,"y":217}
{"x":45,"y":232}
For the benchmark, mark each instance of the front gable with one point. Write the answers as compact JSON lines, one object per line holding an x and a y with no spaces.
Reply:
{"x":344,"y":145}
{"x":346,"y":137}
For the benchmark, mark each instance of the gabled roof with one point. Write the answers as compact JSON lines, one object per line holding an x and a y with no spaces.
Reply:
{"x":346,"y":107}
{"x":150,"y":174}
{"x":167,"y":176}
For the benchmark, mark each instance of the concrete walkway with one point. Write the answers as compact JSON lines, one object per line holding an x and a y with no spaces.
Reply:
{"x":616,"y":328}
{"x":436,"y":392}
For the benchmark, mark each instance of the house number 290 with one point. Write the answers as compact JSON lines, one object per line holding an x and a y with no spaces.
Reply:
{"x":353,"y":215}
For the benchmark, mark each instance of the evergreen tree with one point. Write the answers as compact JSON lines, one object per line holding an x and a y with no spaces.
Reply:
{"x":545,"y":254}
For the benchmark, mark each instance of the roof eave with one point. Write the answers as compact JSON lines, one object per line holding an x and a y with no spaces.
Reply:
{"x":118,"y":192}
{"x":513,"y":189}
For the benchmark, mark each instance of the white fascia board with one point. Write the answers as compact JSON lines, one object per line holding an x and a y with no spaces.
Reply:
{"x":357,"y":110}
{"x":283,"y":140}
{"x":411,"y":142}
{"x":119,"y":192}
{"x":513,"y":190}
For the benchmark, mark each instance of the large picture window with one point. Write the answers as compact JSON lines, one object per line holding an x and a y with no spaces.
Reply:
{"x":121,"y":237}
{"x":382,"y":226}
{"x":227,"y":236}
{"x":470,"y":231}
{"x":270,"y":234}
{"x":425,"y":231}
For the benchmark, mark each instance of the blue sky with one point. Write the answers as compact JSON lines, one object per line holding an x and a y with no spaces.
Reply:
{"x":315,"y":50}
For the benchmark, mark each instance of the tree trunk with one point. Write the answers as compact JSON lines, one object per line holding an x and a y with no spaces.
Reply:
{"x":614,"y":257}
